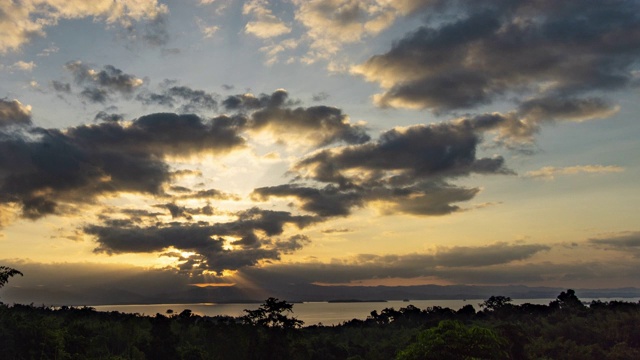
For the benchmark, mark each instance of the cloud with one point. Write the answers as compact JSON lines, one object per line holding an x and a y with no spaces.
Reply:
{"x":315,"y":125}
{"x":95,"y":95}
{"x":217,"y":246}
{"x":492,"y":51}
{"x":336,"y":231}
{"x":625,"y":241}
{"x":423,"y":151}
{"x":577,"y":110}
{"x":155,"y":31}
{"x":496,"y":264}
{"x":12,"y":112}
{"x":264,"y":23}
{"x":211,"y":194}
{"x":321,"y":96}
{"x":79,"y":163}
{"x":207,"y":30}
{"x":43,"y":171}
{"x":24,"y":20}
{"x":406,"y":170}
{"x":293,"y":244}
{"x":100,"y":84}
{"x":61,"y":87}
{"x":332,"y":23}
{"x":326,"y":202}
{"x":104,"y":116}
{"x":446,"y":264}
{"x":23,"y":66}
{"x":520,"y":125}
{"x":52,"y":49}
{"x":495,"y":254}
{"x":190,"y":100}
{"x":550,"y":172}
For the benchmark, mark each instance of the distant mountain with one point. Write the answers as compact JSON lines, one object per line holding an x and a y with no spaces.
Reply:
{"x":292,"y":293}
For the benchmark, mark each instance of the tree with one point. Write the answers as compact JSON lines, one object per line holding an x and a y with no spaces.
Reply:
{"x":568,"y":300}
{"x":496,"y":303}
{"x":273,"y":314}
{"x":453,"y":340}
{"x":6,"y":273}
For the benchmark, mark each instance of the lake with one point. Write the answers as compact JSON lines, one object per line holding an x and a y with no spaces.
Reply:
{"x":315,"y":312}
{"x":309,"y":312}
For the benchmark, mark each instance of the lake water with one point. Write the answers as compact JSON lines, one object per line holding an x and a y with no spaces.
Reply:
{"x":314,"y":312}
{"x":309,"y":312}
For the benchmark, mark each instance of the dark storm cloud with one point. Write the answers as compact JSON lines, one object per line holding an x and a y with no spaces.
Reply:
{"x":163,"y":134}
{"x":12,"y":112}
{"x":187,"y":100}
{"x":277,"y":114}
{"x":327,"y":201}
{"x":207,"y":240}
{"x":274,"y":113}
{"x":475,"y":52}
{"x":271,"y":222}
{"x":422,"y":151}
{"x":447,"y":263}
{"x":406,"y":169}
{"x":81,"y":162}
{"x":319,"y":125}
{"x":134,"y":239}
{"x":559,"y":108}
{"x":35,"y":207}
{"x":58,"y":166}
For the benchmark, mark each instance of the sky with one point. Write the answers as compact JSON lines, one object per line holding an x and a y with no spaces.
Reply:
{"x":155,"y":144}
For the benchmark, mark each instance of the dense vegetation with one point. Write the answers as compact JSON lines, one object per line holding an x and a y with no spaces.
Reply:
{"x":564,"y":329}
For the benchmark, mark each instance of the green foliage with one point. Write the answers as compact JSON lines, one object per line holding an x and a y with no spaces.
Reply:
{"x":453,"y":340}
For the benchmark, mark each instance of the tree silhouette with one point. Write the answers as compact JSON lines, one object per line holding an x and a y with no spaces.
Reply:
{"x":496,"y":303}
{"x":6,"y":273}
{"x":273,"y":314}
{"x":568,"y":300}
